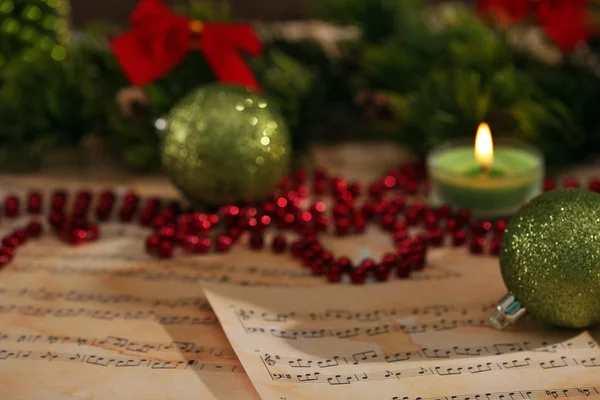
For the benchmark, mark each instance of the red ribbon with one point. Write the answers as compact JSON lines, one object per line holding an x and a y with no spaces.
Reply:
{"x":161,"y":39}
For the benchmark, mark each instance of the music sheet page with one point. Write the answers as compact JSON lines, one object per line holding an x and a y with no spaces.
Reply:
{"x":428,"y":339}
{"x":104,"y":321}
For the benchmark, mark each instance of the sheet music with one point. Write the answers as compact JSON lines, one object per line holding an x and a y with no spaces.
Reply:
{"x":76,"y":324}
{"x":401,"y":340}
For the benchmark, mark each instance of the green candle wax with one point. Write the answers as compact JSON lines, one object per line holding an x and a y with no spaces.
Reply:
{"x":459,"y":180}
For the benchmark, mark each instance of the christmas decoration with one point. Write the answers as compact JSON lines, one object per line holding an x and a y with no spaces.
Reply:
{"x":442,"y":73}
{"x":298,"y":207}
{"x":550,"y":260}
{"x":30,"y":28}
{"x":225,"y":143}
{"x":568,"y":23}
{"x":161,"y":39}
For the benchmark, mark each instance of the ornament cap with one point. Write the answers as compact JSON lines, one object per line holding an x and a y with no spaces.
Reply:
{"x":508,"y":311}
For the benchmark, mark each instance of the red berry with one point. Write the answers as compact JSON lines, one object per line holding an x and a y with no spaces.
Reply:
{"x":403,"y":270}
{"x":494,"y":247}
{"x":10,"y":241}
{"x":5,"y":260}
{"x":571,"y":183}
{"x":7,"y":251}
{"x":34,"y":202}
{"x":500,"y":226}
{"x":382,"y":273}
{"x":77,"y":236}
{"x":463,"y":216}
{"x":594,"y":185}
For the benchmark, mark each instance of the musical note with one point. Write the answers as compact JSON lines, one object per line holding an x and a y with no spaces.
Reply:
{"x":111,"y":361}
{"x":109,"y":315}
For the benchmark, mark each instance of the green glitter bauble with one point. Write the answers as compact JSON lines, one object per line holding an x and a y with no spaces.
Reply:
{"x":225,"y":144}
{"x":550,"y":257}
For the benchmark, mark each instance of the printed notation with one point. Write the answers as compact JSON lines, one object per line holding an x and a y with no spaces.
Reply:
{"x":42,"y":294}
{"x":202,"y":274}
{"x":122,"y":344}
{"x":429,"y":354}
{"x":376,"y":330}
{"x":107,"y":315}
{"x":586,"y":391}
{"x":110,"y":361}
{"x":439,"y":371}
{"x":368,"y":316}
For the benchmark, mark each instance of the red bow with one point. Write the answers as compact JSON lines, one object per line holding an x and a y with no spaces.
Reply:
{"x":160,"y":39}
{"x":566,"y":22}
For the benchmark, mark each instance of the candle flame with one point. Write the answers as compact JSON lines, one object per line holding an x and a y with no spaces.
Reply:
{"x":484,"y":147}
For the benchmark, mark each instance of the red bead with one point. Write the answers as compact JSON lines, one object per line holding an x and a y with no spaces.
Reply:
{"x":165,"y":249}
{"x":399,"y":236}
{"x":334,"y":273}
{"x":257,"y":241}
{"x":431,"y":221}
{"x":571,"y":183}
{"x":594,"y":185}
{"x":235,"y":233}
{"x":327,"y":258}
{"x":549,"y":184}
{"x":34,"y":229}
{"x":376,"y":190}
{"x":300,"y":175}
{"x":223,"y":243}
{"x":411,"y":187}
{"x":166,"y":232}
{"x":389,"y":260}
{"x":355,"y":189}
{"x":382,"y":273}
{"x":317,"y":267}
{"x":463,"y":216}
{"x":77,"y":236}
{"x":93,"y":233}
{"x":344,"y":264}
{"x":10,"y":241}
{"x":500,"y":226}
{"x":5,"y":260}
{"x":320,"y":187}
{"x":279,"y":244}
{"x":34,"y":203}
{"x":481,"y":228}
{"x":358,"y":276}
{"x":21,"y":236}
{"x":459,"y":238}
{"x":342,"y":226}
{"x":403,"y":270}
{"x":11,"y":206}
{"x":494,"y":247}
{"x":58,"y":200}
{"x":57,"y":219}
{"x":477,"y":244}
{"x":411,"y":217}
{"x":444,"y":212}
{"x":152,"y":243}
{"x":451,"y":225}
{"x":368,"y":265}
{"x":7,"y":251}
{"x":388,"y":221}
{"x":436,"y":238}
{"x":320,"y":174}
{"x":360,"y":224}
{"x":190,"y":242}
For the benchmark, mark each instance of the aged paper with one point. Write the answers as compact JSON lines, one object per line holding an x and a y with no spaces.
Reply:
{"x":401,"y":340}
{"x":105,"y":321}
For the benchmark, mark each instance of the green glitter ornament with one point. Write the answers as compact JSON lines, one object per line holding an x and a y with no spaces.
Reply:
{"x":550,"y":261}
{"x":225,"y":144}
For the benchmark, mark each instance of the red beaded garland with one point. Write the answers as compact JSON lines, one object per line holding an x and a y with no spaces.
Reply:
{"x":384,"y":205}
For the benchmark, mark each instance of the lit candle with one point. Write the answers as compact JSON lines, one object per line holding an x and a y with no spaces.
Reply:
{"x":492,"y":180}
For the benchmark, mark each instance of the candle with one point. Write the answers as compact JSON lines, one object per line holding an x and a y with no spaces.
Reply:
{"x":492,"y":180}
